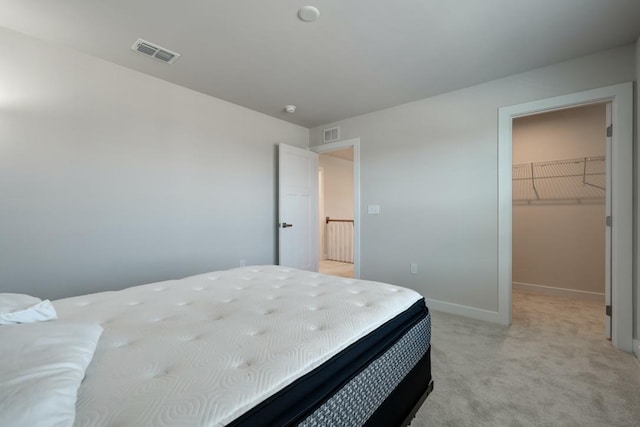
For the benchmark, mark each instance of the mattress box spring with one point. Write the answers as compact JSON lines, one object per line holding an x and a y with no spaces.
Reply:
{"x":356,"y":386}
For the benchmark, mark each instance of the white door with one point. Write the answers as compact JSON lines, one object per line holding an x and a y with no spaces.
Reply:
{"x":607,"y":263}
{"x":298,"y":208}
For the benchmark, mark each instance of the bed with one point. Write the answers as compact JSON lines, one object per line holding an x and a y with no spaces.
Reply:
{"x":254,"y":346}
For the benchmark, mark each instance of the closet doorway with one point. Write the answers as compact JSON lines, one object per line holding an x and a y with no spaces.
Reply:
{"x":621,"y":227}
{"x":560,"y":238}
{"x":338,"y":208}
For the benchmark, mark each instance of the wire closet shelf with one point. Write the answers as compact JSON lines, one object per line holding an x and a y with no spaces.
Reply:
{"x":582,"y":179}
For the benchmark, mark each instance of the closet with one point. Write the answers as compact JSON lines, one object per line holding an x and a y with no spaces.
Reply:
{"x":559,"y":191}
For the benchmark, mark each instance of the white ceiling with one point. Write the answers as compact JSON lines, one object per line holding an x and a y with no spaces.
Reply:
{"x":360,"y":56}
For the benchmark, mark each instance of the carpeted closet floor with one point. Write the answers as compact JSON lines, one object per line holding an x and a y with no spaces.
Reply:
{"x":552,"y":367}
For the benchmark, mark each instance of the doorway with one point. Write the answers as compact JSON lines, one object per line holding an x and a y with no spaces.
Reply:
{"x":339,"y":208}
{"x":335,"y":213}
{"x":621,"y":98}
{"x":560,"y":186}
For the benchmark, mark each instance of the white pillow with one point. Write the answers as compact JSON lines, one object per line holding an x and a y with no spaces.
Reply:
{"x":20,"y":308}
{"x":41,"y":367}
{"x":15,"y":302}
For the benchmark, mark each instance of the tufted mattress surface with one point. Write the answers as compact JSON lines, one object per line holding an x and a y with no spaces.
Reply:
{"x":203,"y":350}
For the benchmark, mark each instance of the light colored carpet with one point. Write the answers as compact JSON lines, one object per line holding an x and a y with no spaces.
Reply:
{"x":335,"y":268}
{"x":552,"y":367}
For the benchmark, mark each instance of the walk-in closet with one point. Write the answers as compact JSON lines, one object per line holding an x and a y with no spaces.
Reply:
{"x":559,"y":204}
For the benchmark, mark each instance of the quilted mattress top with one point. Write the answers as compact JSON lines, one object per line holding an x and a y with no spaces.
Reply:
{"x":203,"y":350}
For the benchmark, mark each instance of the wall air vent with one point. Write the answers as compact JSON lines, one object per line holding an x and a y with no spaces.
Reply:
{"x":331,"y":135}
{"x":155,"y":51}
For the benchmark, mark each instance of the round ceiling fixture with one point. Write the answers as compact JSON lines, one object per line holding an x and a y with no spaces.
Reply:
{"x":308,"y":13}
{"x":290,"y":108}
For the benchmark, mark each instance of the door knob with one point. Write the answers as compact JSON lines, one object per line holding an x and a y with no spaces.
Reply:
{"x":285,"y":225}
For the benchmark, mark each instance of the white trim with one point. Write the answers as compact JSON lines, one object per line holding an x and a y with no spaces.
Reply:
{"x":621,"y":97}
{"x":608,"y":212}
{"x":349,"y":143}
{"x":321,"y":236}
{"x":463,"y":310}
{"x":558,"y":292}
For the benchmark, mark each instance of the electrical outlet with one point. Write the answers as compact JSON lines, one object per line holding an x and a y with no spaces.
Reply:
{"x":414,"y":268}
{"x":242,"y":263}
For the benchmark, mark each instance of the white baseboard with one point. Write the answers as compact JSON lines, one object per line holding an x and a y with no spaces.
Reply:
{"x":463,"y":310}
{"x":558,"y":292}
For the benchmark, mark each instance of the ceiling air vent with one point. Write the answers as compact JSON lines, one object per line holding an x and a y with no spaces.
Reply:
{"x":155,"y":51}
{"x":332,"y":134}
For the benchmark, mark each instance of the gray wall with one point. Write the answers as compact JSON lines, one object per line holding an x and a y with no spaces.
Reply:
{"x":111,"y":178}
{"x":432,"y":167}
{"x":560,"y":243}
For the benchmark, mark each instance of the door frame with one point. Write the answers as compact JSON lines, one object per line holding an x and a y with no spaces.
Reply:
{"x":608,"y":212}
{"x":621,"y":98}
{"x":341,"y":145}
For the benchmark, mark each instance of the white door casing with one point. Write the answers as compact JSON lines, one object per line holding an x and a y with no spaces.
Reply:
{"x":621,"y":98}
{"x":321,"y":232}
{"x":297,"y":208}
{"x":608,"y":213}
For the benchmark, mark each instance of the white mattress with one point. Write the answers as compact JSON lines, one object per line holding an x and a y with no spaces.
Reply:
{"x":203,"y":350}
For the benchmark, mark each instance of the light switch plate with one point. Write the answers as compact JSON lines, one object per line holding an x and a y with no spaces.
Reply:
{"x":373,"y":209}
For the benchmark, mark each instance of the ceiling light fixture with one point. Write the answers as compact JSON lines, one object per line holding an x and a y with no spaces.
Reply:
{"x":308,"y":13}
{"x":290,"y":108}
